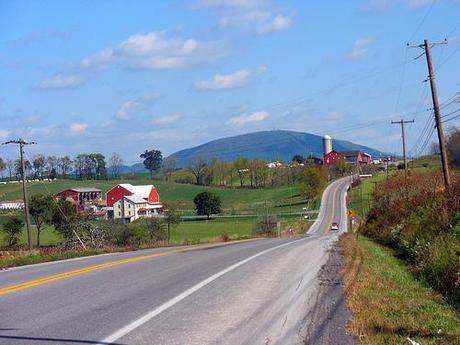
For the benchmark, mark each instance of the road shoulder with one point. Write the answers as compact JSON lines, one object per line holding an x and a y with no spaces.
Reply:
{"x":329,"y":316}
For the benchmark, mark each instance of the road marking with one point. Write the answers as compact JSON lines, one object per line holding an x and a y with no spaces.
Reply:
{"x":68,"y":274}
{"x":165,"y":306}
{"x":48,"y":279}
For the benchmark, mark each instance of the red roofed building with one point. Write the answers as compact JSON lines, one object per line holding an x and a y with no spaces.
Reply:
{"x":352,"y":157}
{"x":81,"y":195}
{"x":132,"y":202}
{"x":147,"y":192}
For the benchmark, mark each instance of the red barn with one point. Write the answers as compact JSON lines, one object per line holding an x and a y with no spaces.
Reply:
{"x":81,"y":195}
{"x":146,"y":192}
{"x":332,"y":158}
{"x":352,"y":157}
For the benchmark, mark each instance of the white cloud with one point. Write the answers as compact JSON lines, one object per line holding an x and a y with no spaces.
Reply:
{"x":228,"y":81}
{"x":259,"y":16}
{"x":77,"y":128}
{"x":360,"y":47}
{"x":128,"y":108}
{"x":155,"y":50}
{"x":167,"y":120}
{"x":4,"y":133}
{"x":238,"y":4}
{"x":334,"y":116}
{"x":248,"y":118}
{"x":59,"y":81}
{"x":384,"y":4}
{"x":279,"y":22}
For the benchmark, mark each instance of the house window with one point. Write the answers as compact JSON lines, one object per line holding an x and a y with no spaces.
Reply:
{"x":119,"y":214}
{"x":129,"y":205}
{"x":119,"y":205}
{"x":129,"y":213}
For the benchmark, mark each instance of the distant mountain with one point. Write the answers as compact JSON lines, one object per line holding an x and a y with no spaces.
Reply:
{"x":269,"y":145}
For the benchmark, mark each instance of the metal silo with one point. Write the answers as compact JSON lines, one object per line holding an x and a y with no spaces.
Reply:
{"x":327,"y":144}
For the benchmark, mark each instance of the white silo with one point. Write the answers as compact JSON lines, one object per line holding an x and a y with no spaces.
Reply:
{"x":327,"y":144}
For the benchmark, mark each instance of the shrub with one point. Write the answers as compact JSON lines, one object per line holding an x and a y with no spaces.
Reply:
{"x":138,"y":232}
{"x":118,"y":232}
{"x":419,"y":219}
{"x":266,"y":225}
{"x":12,"y":229}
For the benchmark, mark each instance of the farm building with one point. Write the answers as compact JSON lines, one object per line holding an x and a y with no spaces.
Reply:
{"x":331,"y":156}
{"x":352,"y":157}
{"x":81,"y":195}
{"x":128,"y":202}
{"x":132,"y":207}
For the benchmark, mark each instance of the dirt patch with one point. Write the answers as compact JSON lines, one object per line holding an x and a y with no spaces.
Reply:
{"x":330,"y":316}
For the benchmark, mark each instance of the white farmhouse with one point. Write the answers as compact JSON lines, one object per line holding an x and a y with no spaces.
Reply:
{"x":132,"y":207}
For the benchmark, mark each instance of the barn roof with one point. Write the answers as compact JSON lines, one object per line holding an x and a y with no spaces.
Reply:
{"x":85,"y":189}
{"x":142,"y":191}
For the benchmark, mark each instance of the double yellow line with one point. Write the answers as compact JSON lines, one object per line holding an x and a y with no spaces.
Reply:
{"x":68,"y":274}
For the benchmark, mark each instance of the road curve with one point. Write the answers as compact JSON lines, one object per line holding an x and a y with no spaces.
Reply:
{"x":252,"y":292}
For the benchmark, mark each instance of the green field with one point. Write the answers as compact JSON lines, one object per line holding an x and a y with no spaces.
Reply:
{"x":191,"y":231}
{"x":234,"y":200}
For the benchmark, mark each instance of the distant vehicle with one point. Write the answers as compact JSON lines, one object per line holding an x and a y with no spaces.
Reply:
{"x":306,"y":216}
{"x":335,"y":226}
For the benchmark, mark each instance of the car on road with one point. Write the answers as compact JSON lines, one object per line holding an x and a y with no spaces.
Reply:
{"x":335,"y":226}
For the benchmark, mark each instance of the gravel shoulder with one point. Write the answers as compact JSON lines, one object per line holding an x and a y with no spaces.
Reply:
{"x":329,"y":316}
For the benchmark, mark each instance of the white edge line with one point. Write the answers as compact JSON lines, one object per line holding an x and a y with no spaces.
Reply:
{"x":150,"y":315}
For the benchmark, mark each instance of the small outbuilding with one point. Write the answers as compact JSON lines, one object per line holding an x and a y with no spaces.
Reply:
{"x":81,"y":195}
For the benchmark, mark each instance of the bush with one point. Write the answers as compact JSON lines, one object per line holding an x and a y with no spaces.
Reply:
{"x":266,"y":225}
{"x":137,"y":232}
{"x":12,"y":229}
{"x":421,"y":221}
{"x":118,"y":232}
{"x":439,"y":263}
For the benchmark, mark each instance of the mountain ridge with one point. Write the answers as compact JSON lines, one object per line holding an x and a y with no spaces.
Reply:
{"x":269,"y":145}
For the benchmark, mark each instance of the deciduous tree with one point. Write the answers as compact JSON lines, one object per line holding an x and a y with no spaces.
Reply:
{"x":312,"y":182}
{"x":41,"y":210}
{"x":207,"y":204}
{"x":152,"y":160}
{"x":12,"y":229}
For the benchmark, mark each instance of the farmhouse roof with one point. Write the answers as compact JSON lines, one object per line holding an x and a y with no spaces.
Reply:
{"x":136,"y":199}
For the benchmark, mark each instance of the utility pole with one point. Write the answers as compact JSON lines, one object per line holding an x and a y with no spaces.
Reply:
{"x":426,"y":46}
{"x":402,"y":122}
{"x":22,"y":143}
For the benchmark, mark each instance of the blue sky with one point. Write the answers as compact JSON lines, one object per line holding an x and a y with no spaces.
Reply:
{"x":124,"y":76}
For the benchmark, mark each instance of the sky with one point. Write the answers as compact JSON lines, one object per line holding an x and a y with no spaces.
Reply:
{"x":125,"y":76}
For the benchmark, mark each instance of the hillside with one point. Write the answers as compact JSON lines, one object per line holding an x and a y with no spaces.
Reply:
{"x":270,"y":145}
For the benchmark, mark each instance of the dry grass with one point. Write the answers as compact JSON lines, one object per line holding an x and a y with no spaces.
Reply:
{"x":388,"y":304}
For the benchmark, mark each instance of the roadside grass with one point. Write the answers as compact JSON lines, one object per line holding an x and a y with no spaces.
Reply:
{"x":21,"y":258}
{"x":388,"y":303}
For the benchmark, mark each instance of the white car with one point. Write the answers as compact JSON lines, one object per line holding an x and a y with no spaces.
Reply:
{"x":335,"y":226}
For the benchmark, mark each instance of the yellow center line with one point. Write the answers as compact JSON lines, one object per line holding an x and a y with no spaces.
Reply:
{"x":73,"y":273}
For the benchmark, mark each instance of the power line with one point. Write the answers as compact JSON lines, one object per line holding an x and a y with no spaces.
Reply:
{"x":427,"y":13}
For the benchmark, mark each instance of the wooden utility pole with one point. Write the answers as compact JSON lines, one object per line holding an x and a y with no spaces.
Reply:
{"x":22,"y":143}
{"x":402,"y":122}
{"x":426,"y":46}
{"x":437,"y":115}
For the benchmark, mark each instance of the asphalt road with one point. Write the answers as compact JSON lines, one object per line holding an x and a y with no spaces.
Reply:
{"x":252,"y":292}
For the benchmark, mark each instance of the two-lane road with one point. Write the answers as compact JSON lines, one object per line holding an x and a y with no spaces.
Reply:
{"x":252,"y":292}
